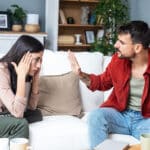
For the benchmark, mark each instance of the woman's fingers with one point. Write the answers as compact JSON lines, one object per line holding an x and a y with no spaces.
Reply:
{"x":24,"y":64}
{"x":27,"y":58}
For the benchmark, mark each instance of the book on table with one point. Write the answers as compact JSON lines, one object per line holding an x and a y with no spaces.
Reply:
{"x":112,"y":145}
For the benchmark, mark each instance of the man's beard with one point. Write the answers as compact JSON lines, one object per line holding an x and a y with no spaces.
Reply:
{"x":119,"y":53}
{"x":121,"y":56}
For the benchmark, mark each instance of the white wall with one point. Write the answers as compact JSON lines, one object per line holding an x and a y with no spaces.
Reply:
{"x":139,"y":10}
{"x":30,"y":6}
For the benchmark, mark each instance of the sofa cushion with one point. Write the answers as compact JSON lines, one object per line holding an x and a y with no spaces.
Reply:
{"x":56,"y":63}
{"x":60,"y":95}
{"x":59,"y":133}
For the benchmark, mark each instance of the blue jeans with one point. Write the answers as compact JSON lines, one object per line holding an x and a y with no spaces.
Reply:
{"x":103,"y":121}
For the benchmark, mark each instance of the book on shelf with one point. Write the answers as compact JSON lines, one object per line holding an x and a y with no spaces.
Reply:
{"x":111,"y":144}
{"x":62,"y":17}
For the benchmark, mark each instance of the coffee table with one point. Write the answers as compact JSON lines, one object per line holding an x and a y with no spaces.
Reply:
{"x":135,"y":147}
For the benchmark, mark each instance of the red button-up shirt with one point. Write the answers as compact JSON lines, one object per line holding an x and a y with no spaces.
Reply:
{"x":117,"y":75}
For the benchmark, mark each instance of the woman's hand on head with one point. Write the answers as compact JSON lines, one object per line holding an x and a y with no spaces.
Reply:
{"x":24,"y":65}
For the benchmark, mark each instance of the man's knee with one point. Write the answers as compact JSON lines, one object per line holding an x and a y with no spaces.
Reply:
{"x":95,"y":116}
{"x":99,"y":115}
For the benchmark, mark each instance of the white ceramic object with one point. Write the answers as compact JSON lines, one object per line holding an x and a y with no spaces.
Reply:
{"x":78,"y":38}
{"x":145,"y":141}
{"x":4,"y":144}
{"x":19,"y":144}
{"x":32,"y":19}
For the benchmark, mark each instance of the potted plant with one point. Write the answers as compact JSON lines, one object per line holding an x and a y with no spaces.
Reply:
{"x":111,"y":14}
{"x":18,"y":15}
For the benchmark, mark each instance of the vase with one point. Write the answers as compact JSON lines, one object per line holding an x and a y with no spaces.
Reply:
{"x":32,"y":28}
{"x":17,"y":27}
{"x":77,"y":41}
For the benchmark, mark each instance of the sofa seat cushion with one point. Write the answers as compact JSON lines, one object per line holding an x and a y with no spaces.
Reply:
{"x":59,"y":133}
{"x":66,"y":133}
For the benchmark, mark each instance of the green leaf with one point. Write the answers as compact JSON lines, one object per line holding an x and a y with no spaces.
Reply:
{"x":113,"y":13}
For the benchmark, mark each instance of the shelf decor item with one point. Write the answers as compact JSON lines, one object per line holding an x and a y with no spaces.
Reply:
{"x":84,"y":15}
{"x":66,"y":39}
{"x":32,"y":23}
{"x":78,"y":37}
{"x":62,"y":17}
{"x":17,"y":15}
{"x":4,"y":21}
{"x":70,"y":20}
{"x":90,"y":37}
{"x":32,"y":19}
{"x":110,"y":14}
{"x":32,"y":28}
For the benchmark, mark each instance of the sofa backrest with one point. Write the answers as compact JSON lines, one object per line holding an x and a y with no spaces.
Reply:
{"x":57,"y":63}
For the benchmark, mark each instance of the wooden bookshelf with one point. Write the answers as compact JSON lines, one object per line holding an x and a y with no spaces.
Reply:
{"x":72,"y":8}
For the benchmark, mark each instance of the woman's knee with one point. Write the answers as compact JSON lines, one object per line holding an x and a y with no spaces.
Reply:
{"x":24,"y":128}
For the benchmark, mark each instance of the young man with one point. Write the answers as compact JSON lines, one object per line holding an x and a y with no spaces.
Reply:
{"x":127,"y":110}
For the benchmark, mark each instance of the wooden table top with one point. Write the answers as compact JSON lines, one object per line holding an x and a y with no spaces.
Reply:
{"x":135,"y":147}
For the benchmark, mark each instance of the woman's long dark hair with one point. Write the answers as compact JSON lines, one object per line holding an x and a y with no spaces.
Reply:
{"x":24,"y":44}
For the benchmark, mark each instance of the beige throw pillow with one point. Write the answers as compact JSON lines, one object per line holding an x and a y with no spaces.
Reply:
{"x":60,"y":95}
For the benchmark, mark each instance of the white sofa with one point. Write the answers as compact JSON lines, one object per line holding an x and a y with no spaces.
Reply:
{"x":64,"y":132}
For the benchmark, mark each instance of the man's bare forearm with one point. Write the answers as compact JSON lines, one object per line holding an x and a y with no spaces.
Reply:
{"x":85,"y":78}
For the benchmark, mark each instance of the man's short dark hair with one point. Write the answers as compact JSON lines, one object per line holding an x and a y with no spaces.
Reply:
{"x":139,"y":31}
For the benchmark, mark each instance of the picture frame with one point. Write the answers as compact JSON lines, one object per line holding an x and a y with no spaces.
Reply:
{"x":90,"y":37}
{"x":4,"y":21}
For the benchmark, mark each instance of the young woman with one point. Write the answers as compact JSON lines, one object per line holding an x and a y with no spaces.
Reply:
{"x":19,"y":77}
